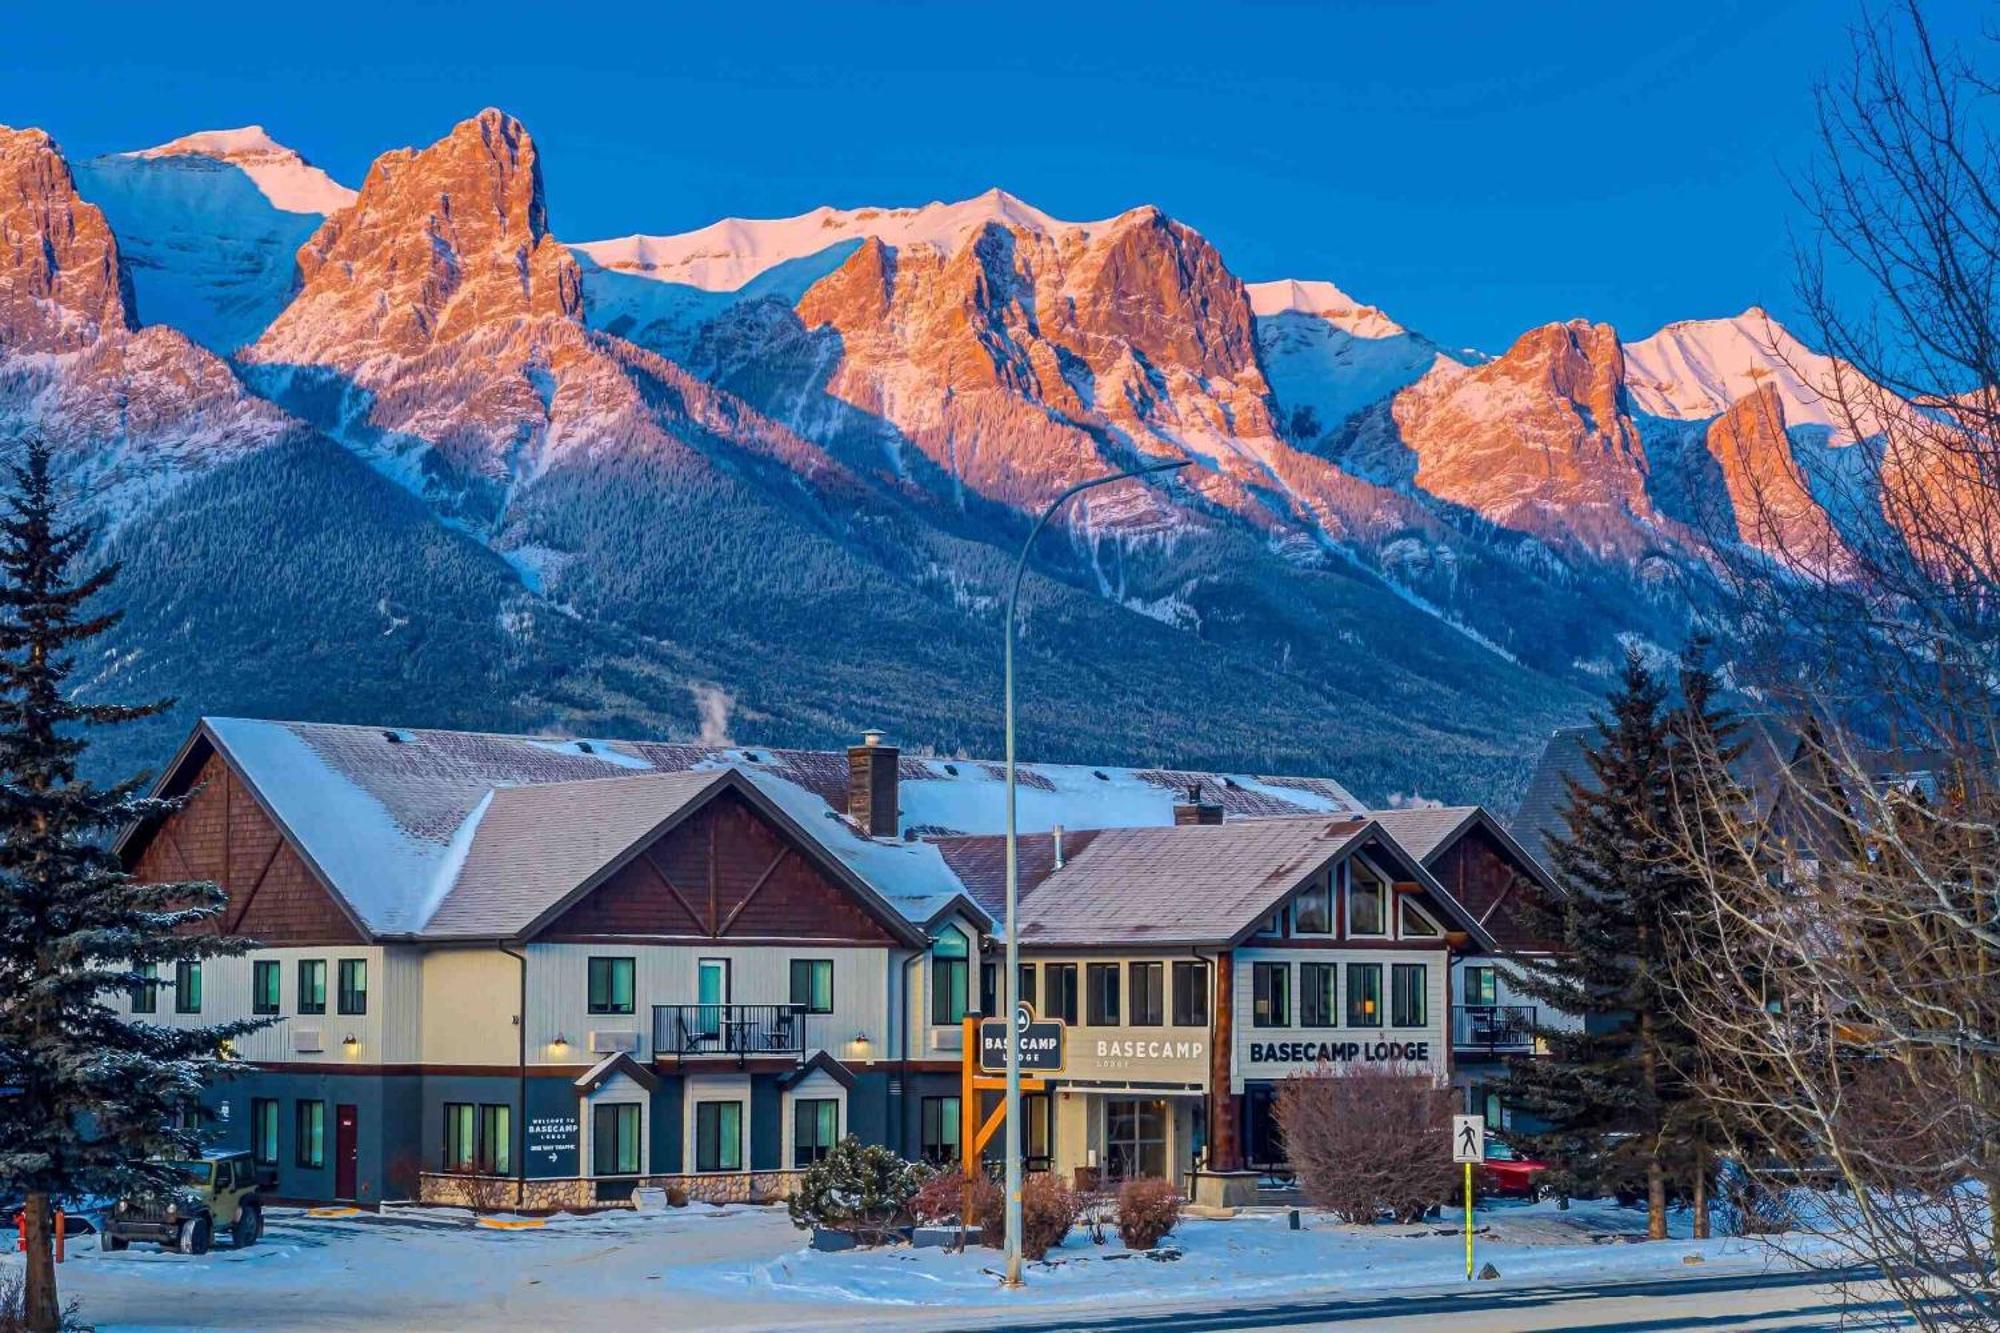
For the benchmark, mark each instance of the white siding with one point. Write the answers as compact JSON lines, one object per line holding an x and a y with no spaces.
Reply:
{"x":387,"y":1034}
{"x":1434,"y":1034}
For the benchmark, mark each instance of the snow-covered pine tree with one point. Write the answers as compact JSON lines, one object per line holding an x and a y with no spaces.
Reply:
{"x":1595,"y":1097}
{"x":88,"y":1095}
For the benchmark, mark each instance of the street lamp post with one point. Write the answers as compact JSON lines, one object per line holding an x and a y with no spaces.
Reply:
{"x":1011,"y":982}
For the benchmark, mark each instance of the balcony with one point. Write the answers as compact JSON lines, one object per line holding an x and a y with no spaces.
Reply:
{"x":1493,"y":1027}
{"x":684,"y":1032}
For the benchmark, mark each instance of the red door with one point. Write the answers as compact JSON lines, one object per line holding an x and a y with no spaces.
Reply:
{"x":346,"y":1150}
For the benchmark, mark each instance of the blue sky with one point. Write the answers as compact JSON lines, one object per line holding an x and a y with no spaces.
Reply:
{"x":1475,"y":169}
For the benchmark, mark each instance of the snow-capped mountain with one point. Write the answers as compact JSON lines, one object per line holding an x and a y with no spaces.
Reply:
{"x":786,"y":462}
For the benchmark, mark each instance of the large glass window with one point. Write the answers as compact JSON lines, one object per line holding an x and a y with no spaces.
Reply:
{"x":478,"y":1138}
{"x":1417,"y":926}
{"x":311,"y":1118}
{"x":353,"y":986}
{"x":146,"y":995}
{"x":264,"y":1130}
{"x":1364,"y":995}
{"x":815,"y":1129}
{"x":1409,"y":995}
{"x":1148,"y":982}
{"x":938,"y":1131}
{"x":1271,"y":995}
{"x":1191,"y":995}
{"x":496,"y":1138}
{"x":312,"y":985}
{"x":1024,"y":979}
{"x":1319,"y":995}
{"x":1100,"y":1000}
{"x":1059,"y":979}
{"x":1312,"y":910}
{"x":614,"y":1139}
{"x":187,"y":987}
{"x":718,"y":1136}
{"x":461,"y":1136}
{"x":812,"y":984}
{"x":1481,"y":986}
{"x":608,"y":985}
{"x":989,"y":988}
{"x":948,"y":976}
{"x":1135,"y":1138}
{"x":1035,"y":1112}
{"x":1367,"y":900}
{"x":264,"y":986}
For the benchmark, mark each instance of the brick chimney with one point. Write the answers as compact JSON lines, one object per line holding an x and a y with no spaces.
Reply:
{"x":871,"y":785}
{"x":1195,"y":810}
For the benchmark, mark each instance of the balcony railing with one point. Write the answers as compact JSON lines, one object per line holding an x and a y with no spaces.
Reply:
{"x":1493,"y":1027}
{"x":741,"y":1031}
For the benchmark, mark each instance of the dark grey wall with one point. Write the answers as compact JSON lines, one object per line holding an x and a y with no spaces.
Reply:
{"x":385,"y":1128}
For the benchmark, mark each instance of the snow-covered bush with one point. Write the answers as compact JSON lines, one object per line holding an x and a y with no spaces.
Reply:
{"x":977,"y":1203}
{"x":1049,"y":1208}
{"x":862,"y":1190}
{"x":1368,"y":1141}
{"x":1148,"y":1209}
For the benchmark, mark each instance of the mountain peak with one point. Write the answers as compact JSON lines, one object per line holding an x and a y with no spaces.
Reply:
{"x":284,"y":177}
{"x":62,"y":286}
{"x":1696,"y":369}
{"x":1322,"y":300}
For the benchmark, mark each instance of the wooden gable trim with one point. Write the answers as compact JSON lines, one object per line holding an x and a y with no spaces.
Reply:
{"x":653,"y":864}
{"x":784,"y":853}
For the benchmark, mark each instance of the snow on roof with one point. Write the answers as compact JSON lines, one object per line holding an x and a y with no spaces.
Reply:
{"x":392,"y":816}
{"x":292,"y":184}
{"x":725,"y":256}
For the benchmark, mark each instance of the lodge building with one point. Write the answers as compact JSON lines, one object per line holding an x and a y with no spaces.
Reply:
{"x":568,"y":967}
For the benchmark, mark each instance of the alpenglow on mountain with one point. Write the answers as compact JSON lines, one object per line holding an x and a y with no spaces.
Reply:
{"x":400,"y":452}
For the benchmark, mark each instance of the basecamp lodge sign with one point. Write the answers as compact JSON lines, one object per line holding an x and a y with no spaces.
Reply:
{"x":1340,"y":1052}
{"x":1040,"y":1040}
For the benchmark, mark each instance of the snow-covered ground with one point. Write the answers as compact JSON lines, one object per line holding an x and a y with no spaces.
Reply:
{"x":704,"y":1267}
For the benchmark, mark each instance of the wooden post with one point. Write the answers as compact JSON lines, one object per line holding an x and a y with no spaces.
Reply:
{"x":1225,"y":1129}
{"x":968,"y":1096}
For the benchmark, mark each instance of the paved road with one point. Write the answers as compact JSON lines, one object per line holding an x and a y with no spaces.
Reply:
{"x":1764,"y":1303}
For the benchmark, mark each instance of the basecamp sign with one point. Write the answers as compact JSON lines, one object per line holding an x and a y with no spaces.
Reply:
{"x":1040,"y":1040}
{"x":551,"y":1145}
{"x":1298,"y":1054}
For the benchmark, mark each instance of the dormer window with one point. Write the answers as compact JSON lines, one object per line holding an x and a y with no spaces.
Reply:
{"x":1312,"y":910}
{"x":1367,"y":900}
{"x":1415,"y":925}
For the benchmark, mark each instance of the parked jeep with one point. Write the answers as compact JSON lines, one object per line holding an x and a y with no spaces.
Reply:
{"x":218,"y":1193}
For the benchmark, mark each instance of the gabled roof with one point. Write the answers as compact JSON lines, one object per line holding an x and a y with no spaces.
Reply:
{"x":1205,"y":884}
{"x":981,"y":864}
{"x":618,"y":1062}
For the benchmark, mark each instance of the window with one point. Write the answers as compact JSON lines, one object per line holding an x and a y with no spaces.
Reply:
{"x":1035,"y":1111}
{"x":1271,"y":995}
{"x":1312,"y":910}
{"x":1059,"y":983}
{"x":1100,"y":1000}
{"x":264,"y":1131}
{"x":989,"y":988}
{"x":1319,"y":992}
{"x":711,"y":992}
{"x":1149,"y":994}
{"x":812,"y":984}
{"x":1191,"y":995}
{"x":1025,"y":980}
{"x":1417,"y":926}
{"x":1409,"y":996}
{"x":1481,"y":986}
{"x":187,"y":987}
{"x":1366,"y":894}
{"x":312,"y":985}
{"x":609,"y":984}
{"x":939,"y":1130}
{"x":311,"y":1118}
{"x":1364,"y":995}
{"x":1273,"y":924}
{"x":146,"y":995}
{"x":718,"y":1136}
{"x":815,"y":1129}
{"x":614,"y":1138}
{"x":354,"y":985}
{"x":478,"y":1138}
{"x":1135,"y":1138}
{"x":948,"y":965}
{"x":264,"y":985}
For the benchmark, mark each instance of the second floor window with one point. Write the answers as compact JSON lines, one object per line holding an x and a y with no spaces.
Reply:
{"x":354,"y":985}
{"x":948,"y":977}
{"x":1364,"y":995}
{"x":608,"y":984}
{"x":1101,"y":995}
{"x":264,"y":986}
{"x":1312,"y":910}
{"x":187,"y":987}
{"x":1319,"y":995}
{"x":1059,"y":991}
{"x":1481,"y":987}
{"x":312,"y":985}
{"x":812,"y":984}
{"x":1191,"y":995}
{"x":1149,"y":994}
{"x":1271,"y":995}
{"x":1409,"y":995}
{"x":1367,"y":896}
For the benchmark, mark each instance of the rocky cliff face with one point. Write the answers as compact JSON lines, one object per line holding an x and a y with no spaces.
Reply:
{"x":61,"y":285}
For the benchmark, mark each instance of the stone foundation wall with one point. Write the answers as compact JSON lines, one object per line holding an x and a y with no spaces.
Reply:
{"x":577,"y":1193}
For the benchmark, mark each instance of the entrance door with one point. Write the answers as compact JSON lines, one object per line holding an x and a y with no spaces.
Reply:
{"x":712,"y":994}
{"x":346,"y":1149}
{"x":1135,"y":1138}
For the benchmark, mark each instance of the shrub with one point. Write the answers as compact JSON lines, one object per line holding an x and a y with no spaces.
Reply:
{"x":861,"y":1190}
{"x":1366,"y":1140}
{"x":1049,"y":1208}
{"x":977,"y":1203}
{"x":1148,"y":1209}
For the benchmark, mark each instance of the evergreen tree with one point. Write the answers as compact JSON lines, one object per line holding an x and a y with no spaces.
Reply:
{"x":87,"y":1095}
{"x":1599,"y":1095}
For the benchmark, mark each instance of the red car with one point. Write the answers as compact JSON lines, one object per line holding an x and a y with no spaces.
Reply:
{"x":1506,"y":1173}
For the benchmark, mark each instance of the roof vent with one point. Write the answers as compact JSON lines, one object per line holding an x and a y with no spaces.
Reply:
{"x":951,"y":769}
{"x":393,"y":737}
{"x":1100,"y":775}
{"x":871,"y":736}
{"x":585,"y":747}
